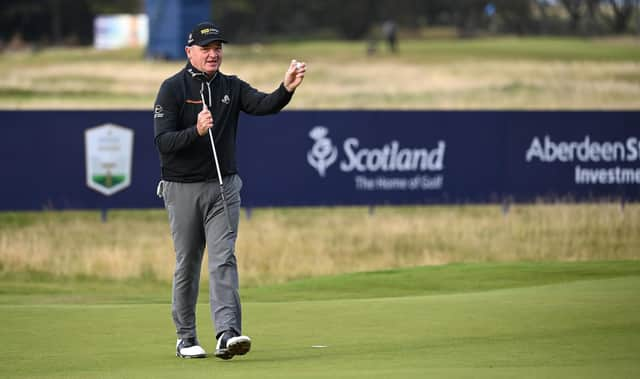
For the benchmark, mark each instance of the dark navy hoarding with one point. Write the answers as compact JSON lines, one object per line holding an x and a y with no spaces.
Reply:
{"x":44,"y":164}
{"x":340,"y":158}
{"x":369,"y":157}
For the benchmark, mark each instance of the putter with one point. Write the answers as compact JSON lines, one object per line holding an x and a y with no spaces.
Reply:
{"x":215,"y":159}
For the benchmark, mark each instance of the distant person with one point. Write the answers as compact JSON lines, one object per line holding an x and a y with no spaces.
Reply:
{"x":194,"y":108}
{"x":390,"y":33}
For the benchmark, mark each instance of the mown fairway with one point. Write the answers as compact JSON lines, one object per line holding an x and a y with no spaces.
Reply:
{"x":560,"y":320}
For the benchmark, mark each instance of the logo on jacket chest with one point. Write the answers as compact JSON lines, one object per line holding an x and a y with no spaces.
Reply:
{"x":225,"y":100}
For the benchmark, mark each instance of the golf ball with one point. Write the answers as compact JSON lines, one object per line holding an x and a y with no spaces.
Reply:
{"x":298,"y":65}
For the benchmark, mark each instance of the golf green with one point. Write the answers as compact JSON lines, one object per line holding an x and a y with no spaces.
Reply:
{"x":570,"y":328}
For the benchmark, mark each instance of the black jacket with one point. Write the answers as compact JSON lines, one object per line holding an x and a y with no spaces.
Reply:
{"x":184,"y":155}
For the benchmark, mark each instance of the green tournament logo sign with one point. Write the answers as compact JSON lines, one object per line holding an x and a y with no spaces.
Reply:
{"x":108,"y":150}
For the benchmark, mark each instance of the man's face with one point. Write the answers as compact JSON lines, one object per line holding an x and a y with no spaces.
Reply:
{"x":206,"y":58}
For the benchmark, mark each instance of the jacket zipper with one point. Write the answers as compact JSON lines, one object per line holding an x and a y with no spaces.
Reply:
{"x":209,"y":88}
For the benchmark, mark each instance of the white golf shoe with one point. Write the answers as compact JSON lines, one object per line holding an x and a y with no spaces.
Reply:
{"x":189,"y":348}
{"x":230,"y":344}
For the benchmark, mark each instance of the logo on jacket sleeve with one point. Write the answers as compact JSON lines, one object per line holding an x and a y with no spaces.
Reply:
{"x":158,"y":112}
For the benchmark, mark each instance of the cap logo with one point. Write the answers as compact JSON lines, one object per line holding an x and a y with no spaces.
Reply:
{"x":207,"y":31}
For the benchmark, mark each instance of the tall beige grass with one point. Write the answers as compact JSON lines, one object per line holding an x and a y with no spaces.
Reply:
{"x":277,"y":245}
{"x":340,"y":83}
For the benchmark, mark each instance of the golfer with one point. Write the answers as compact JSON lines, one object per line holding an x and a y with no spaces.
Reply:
{"x":195,"y":121}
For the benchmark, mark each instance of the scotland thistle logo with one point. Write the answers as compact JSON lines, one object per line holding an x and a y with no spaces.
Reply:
{"x":323,"y":154}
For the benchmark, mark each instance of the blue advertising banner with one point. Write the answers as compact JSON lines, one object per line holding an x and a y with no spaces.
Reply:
{"x":346,"y":158}
{"x":579,"y":155}
{"x":440,"y":157}
{"x":311,"y":158}
{"x":44,"y":163}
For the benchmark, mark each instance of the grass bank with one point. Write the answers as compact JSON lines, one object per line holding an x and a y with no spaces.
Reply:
{"x":278,"y":245}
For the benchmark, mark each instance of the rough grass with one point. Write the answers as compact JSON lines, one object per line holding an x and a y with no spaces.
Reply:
{"x":500,"y":73}
{"x":277,"y":245}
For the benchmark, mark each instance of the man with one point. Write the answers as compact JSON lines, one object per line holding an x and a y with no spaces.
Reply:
{"x":197,"y":107}
{"x":390,"y":31}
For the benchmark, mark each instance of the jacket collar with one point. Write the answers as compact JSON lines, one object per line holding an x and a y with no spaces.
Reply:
{"x":197,"y":74}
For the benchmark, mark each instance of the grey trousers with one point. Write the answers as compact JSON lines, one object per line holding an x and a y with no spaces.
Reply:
{"x":197,"y":218}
